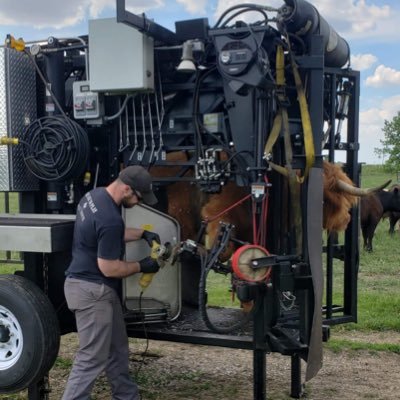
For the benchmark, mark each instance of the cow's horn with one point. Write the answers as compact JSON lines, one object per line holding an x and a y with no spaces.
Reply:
{"x":356,"y":191}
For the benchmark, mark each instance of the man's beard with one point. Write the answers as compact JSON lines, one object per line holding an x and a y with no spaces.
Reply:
{"x":127,"y":204}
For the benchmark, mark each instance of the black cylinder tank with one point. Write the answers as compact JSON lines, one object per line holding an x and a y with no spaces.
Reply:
{"x":302,"y":18}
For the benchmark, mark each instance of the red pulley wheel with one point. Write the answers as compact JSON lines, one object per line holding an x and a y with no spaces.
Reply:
{"x":241,"y":263}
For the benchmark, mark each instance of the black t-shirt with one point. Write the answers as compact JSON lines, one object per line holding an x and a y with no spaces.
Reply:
{"x":99,"y":232}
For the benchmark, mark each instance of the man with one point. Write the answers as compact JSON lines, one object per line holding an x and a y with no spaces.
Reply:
{"x":93,"y":281}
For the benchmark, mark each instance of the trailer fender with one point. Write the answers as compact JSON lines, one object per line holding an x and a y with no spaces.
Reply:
{"x":29,"y":333}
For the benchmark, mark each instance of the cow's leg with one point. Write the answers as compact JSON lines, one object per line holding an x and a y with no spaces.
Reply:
{"x":371,"y":231}
{"x":392,"y":222}
{"x":364,"y":230}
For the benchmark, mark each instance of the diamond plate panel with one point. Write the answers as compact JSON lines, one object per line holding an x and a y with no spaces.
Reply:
{"x":18,"y":109}
{"x":4,"y":168}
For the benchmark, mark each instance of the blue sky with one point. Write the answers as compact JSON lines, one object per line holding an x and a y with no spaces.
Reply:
{"x":371,"y":27}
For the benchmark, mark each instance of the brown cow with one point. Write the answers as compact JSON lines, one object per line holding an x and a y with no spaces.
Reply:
{"x":189,"y":206}
{"x":372,"y":209}
{"x":183,"y":197}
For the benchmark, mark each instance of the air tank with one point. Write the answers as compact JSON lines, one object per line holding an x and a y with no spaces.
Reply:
{"x":302,"y":18}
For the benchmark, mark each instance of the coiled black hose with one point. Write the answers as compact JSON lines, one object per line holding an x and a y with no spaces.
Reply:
{"x":55,"y":148}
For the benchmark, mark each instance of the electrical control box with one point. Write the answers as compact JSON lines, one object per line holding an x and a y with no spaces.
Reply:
{"x":121,"y":59}
{"x":87,"y":104}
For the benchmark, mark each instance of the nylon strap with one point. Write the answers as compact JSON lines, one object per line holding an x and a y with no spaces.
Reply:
{"x":282,"y":118}
{"x":305,"y":118}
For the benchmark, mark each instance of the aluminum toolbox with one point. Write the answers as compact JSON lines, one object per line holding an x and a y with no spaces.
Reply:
{"x":40,"y":233}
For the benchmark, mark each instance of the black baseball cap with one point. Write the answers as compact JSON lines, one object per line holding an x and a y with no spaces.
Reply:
{"x":139,"y":179}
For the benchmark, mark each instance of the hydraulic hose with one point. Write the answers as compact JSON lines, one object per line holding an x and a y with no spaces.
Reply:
{"x":55,"y":148}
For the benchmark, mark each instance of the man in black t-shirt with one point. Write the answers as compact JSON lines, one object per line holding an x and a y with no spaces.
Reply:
{"x":93,"y":282}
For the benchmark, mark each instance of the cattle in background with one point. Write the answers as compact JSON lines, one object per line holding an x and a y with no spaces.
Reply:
{"x":393,"y":216}
{"x":372,"y":209}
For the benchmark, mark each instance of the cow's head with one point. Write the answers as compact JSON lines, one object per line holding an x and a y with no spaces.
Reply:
{"x":340,"y":195}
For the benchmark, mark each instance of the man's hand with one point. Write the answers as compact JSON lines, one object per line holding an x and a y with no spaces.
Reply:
{"x":148,"y":265}
{"x":150,"y":236}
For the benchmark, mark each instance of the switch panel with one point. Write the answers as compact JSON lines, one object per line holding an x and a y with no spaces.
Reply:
{"x":87,"y":104}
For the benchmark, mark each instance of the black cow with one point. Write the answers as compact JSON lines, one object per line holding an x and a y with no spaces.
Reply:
{"x":372,"y":208}
{"x":393,"y":216}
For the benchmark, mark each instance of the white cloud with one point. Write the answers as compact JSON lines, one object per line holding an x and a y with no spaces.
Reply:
{"x":355,"y":17}
{"x":371,"y":125}
{"x":59,"y":13}
{"x":194,"y":6}
{"x":384,"y":76}
{"x":139,"y":6}
{"x":361,"y":62}
{"x":350,"y":18}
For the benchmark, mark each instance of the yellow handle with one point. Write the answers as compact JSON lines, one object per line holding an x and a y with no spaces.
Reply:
{"x":8,"y":141}
{"x":146,"y":279}
{"x":17,"y":44}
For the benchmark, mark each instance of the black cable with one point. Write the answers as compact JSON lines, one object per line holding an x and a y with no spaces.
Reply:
{"x":145,"y":334}
{"x":247,"y":7}
{"x":55,"y":148}
{"x":207,"y":264}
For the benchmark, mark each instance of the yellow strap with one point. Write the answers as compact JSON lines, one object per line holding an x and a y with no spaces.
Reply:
{"x":280,"y":66}
{"x":282,"y":116}
{"x":274,"y":134}
{"x":305,"y":121}
{"x":280,"y":81}
{"x":8,"y":141}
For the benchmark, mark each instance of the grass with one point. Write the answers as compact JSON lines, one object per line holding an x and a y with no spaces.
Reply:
{"x":374,"y":175}
{"x":337,"y":345}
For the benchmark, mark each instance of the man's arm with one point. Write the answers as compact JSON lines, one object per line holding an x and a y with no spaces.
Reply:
{"x":118,"y":268}
{"x":132,"y":234}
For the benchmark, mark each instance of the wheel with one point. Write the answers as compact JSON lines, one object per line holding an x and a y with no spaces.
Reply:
{"x":241,"y":263}
{"x":29,"y":333}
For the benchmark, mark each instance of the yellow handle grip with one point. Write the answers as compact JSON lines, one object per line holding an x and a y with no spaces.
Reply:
{"x":146,"y":279}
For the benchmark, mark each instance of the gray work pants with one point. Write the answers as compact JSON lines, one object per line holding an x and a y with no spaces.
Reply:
{"x":103,"y":342}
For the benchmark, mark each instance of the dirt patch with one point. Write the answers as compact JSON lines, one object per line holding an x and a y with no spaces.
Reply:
{"x":173,"y":371}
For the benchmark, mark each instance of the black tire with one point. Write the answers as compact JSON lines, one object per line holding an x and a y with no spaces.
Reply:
{"x":29,"y":333}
